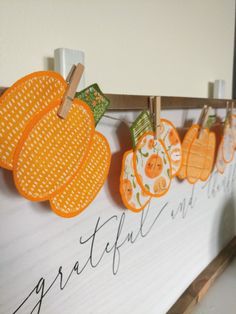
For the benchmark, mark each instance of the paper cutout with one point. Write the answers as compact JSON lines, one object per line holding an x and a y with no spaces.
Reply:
{"x":140,"y":126}
{"x":172,"y":143}
{"x":169,"y":135}
{"x":87,"y":182}
{"x":196,"y":157}
{"x":226,"y":148}
{"x":209,"y":158}
{"x":220,"y":164}
{"x":51,"y":150}
{"x":96,"y":100}
{"x":234,"y":128}
{"x":27,"y":97}
{"x":190,"y":136}
{"x":152,"y":165}
{"x":201,"y":157}
{"x":228,"y":144}
{"x":132,"y":195}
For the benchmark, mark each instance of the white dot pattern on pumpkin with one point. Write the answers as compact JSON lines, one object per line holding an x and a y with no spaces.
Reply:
{"x":53,"y":151}
{"x":84,"y":187}
{"x":19,"y":104}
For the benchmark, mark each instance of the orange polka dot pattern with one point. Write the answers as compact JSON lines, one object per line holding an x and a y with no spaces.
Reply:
{"x":51,"y":150}
{"x":20,"y":103}
{"x":85,"y":185}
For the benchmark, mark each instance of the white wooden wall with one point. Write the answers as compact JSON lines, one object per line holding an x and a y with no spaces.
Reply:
{"x":110,"y":260}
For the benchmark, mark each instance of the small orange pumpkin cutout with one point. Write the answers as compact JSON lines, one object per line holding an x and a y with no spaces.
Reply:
{"x":27,"y":97}
{"x":189,"y":137}
{"x":196,"y":157}
{"x":220,"y":164}
{"x":228,"y":144}
{"x":153,"y":165}
{"x":209,"y":158}
{"x":51,"y":150}
{"x":87,"y":182}
{"x":131,"y":193}
{"x":201,"y":157}
{"x":234,"y":128}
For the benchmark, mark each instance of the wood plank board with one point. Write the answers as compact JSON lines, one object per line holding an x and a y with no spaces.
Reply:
{"x":199,"y":287}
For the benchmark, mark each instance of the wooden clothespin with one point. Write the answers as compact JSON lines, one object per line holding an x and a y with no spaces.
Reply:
{"x":73,"y":80}
{"x":203,"y":119}
{"x":228,"y":117}
{"x":206,"y":116}
{"x":157,"y":117}
{"x":202,"y":115}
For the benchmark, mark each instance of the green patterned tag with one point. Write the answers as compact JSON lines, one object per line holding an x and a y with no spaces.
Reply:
{"x":141,"y":125}
{"x":210,"y":121}
{"x":96,"y":100}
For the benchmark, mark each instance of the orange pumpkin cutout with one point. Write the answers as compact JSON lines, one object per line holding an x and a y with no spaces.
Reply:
{"x":87,"y":182}
{"x":228,"y":144}
{"x":51,"y":150}
{"x":190,"y":136}
{"x":27,"y":97}
{"x":209,"y":158}
{"x":234,"y":128}
{"x":197,"y":157}
{"x":153,"y":165}
{"x":170,"y":137}
{"x":131,"y":193}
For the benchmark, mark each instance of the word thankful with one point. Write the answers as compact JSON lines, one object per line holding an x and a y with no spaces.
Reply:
{"x":112,"y":247}
{"x":215,"y":184}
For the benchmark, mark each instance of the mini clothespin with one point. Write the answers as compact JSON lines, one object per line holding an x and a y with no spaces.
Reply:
{"x":202,"y":115}
{"x":204,"y":118}
{"x":208,"y":111}
{"x":231,"y":112}
{"x":72,"y":80}
{"x":156,"y":109}
{"x":228,"y":117}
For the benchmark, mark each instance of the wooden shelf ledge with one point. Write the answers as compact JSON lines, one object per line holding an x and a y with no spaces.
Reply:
{"x":139,"y":102}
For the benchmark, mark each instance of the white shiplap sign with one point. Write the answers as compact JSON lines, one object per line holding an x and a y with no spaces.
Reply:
{"x":108,"y":259}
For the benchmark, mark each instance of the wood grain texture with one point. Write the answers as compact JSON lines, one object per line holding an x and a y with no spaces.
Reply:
{"x":141,"y":102}
{"x":199,"y":287}
{"x":135,"y":102}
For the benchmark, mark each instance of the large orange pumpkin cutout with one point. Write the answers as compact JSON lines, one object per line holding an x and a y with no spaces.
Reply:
{"x":87,"y":182}
{"x":27,"y":97}
{"x":51,"y":150}
{"x":190,"y":136}
{"x":131,"y":193}
{"x":152,"y":165}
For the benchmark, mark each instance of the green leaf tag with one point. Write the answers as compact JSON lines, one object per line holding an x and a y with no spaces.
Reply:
{"x":140,"y":126}
{"x":95,"y":99}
